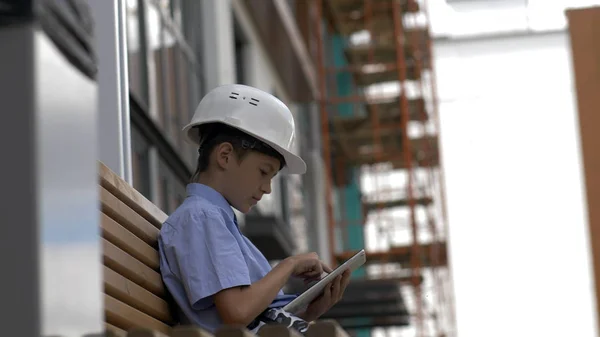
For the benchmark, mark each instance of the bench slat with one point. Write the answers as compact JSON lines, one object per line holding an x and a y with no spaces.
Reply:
{"x":127,"y":194}
{"x":276,"y":330}
{"x":329,"y":328}
{"x":128,"y":242}
{"x":132,"y":294}
{"x":126,"y":265}
{"x":128,"y":218}
{"x":144,"y":332}
{"x":116,"y":331}
{"x":189,"y":331}
{"x":233,"y":331}
{"x":125,"y":317}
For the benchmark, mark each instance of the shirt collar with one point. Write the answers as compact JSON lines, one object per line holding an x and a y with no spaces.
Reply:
{"x":212,"y":195}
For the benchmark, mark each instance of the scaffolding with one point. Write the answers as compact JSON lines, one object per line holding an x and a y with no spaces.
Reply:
{"x":385,"y":191}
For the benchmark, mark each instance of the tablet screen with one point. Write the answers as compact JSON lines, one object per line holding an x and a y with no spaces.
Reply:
{"x":302,"y":301}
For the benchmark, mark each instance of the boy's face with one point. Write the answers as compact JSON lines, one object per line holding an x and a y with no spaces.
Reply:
{"x":249,"y":179}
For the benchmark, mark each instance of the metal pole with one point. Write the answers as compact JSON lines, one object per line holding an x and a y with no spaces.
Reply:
{"x":325,"y":128}
{"x":113,"y":87}
{"x":121,"y":10}
{"x":399,"y":37}
{"x":416,"y":46}
{"x":441,"y":178}
{"x":315,"y":178}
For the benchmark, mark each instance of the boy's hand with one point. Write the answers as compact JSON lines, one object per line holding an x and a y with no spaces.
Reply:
{"x":332,"y":294}
{"x":308,"y":266}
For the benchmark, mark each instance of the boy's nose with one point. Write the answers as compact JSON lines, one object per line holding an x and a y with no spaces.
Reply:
{"x":266,"y":188}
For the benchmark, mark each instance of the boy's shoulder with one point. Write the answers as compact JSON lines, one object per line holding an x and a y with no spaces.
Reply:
{"x":195,"y":210}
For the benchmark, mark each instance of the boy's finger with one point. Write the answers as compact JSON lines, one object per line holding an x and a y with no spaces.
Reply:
{"x":346,"y":280}
{"x":336,"y":287}
{"x":326,"y":268}
{"x":314,"y":274}
{"x":310,"y":280}
{"x":343,"y":287}
{"x":327,"y":292}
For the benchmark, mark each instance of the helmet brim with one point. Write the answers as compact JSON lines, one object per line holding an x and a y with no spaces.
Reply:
{"x":293,"y":163}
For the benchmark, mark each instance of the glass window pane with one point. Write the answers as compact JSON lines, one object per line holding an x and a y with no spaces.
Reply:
{"x":172,"y":8}
{"x":165,"y":52}
{"x":170,"y":87}
{"x":240,"y":54}
{"x":284,"y":195}
{"x":172,"y":191}
{"x":168,"y":71}
{"x":155,"y":78}
{"x":186,"y":103}
{"x":136,"y":61}
{"x":140,"y":161}
{"x":161,"y":42}
{"x":192,"y":31}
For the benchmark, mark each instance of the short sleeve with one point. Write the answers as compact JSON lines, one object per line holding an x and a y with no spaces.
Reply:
{"x":208,"y":257}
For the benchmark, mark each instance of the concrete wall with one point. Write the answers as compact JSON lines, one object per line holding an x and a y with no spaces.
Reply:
{"x":259,"y":73}
{"x":218,"y":56}
{"x":518,"y":243}
{"x":219,"y":18}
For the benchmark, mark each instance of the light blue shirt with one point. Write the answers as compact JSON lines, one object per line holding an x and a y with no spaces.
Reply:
{"x":202,"y":252}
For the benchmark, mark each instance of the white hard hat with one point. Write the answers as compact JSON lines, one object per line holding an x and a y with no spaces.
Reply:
{"x":254,"y":112}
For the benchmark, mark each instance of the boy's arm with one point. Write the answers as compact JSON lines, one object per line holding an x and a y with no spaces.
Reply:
{"x":213,"y":269}
{"x":241,"y":305}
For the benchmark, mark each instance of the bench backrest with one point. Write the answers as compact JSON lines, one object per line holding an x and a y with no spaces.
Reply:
{"x":134,"y":294}
{"x":136,"y":303}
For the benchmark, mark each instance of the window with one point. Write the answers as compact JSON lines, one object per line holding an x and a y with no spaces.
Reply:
{"x":175,"y":68}
{"x":136,"y":61}
{"x":240,"y":43}
{"x":165,"y":78}
{"x":172,"y":190}
{"x":140,"y":162}
{"x":285,"y":204}
{"x":292,"y":6}
{"x":303,"y":121}
{"x":284,"y":192}
{"x":173,"y":8}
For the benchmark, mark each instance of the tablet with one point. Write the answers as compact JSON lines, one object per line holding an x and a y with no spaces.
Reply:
{"x":300,"y":303}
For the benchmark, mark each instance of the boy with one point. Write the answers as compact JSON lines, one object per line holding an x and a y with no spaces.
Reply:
{"x":214,"y":273}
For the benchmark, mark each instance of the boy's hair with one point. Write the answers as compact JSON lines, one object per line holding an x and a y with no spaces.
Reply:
{"x":213,"y":134}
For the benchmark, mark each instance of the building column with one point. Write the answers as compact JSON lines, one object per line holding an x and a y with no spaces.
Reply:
{"x":584,"y":31}
{"x":219,"y":51}
{"x":315,"y":182}
{"x":52,"y":284}
{"x":113,"y":87}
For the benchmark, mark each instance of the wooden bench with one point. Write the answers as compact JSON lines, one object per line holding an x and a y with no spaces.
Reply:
{"x":134,"y":294}
{"x":136,"y":303}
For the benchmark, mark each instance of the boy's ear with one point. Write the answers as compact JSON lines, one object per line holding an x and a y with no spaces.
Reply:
{"x":224,"y":153}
